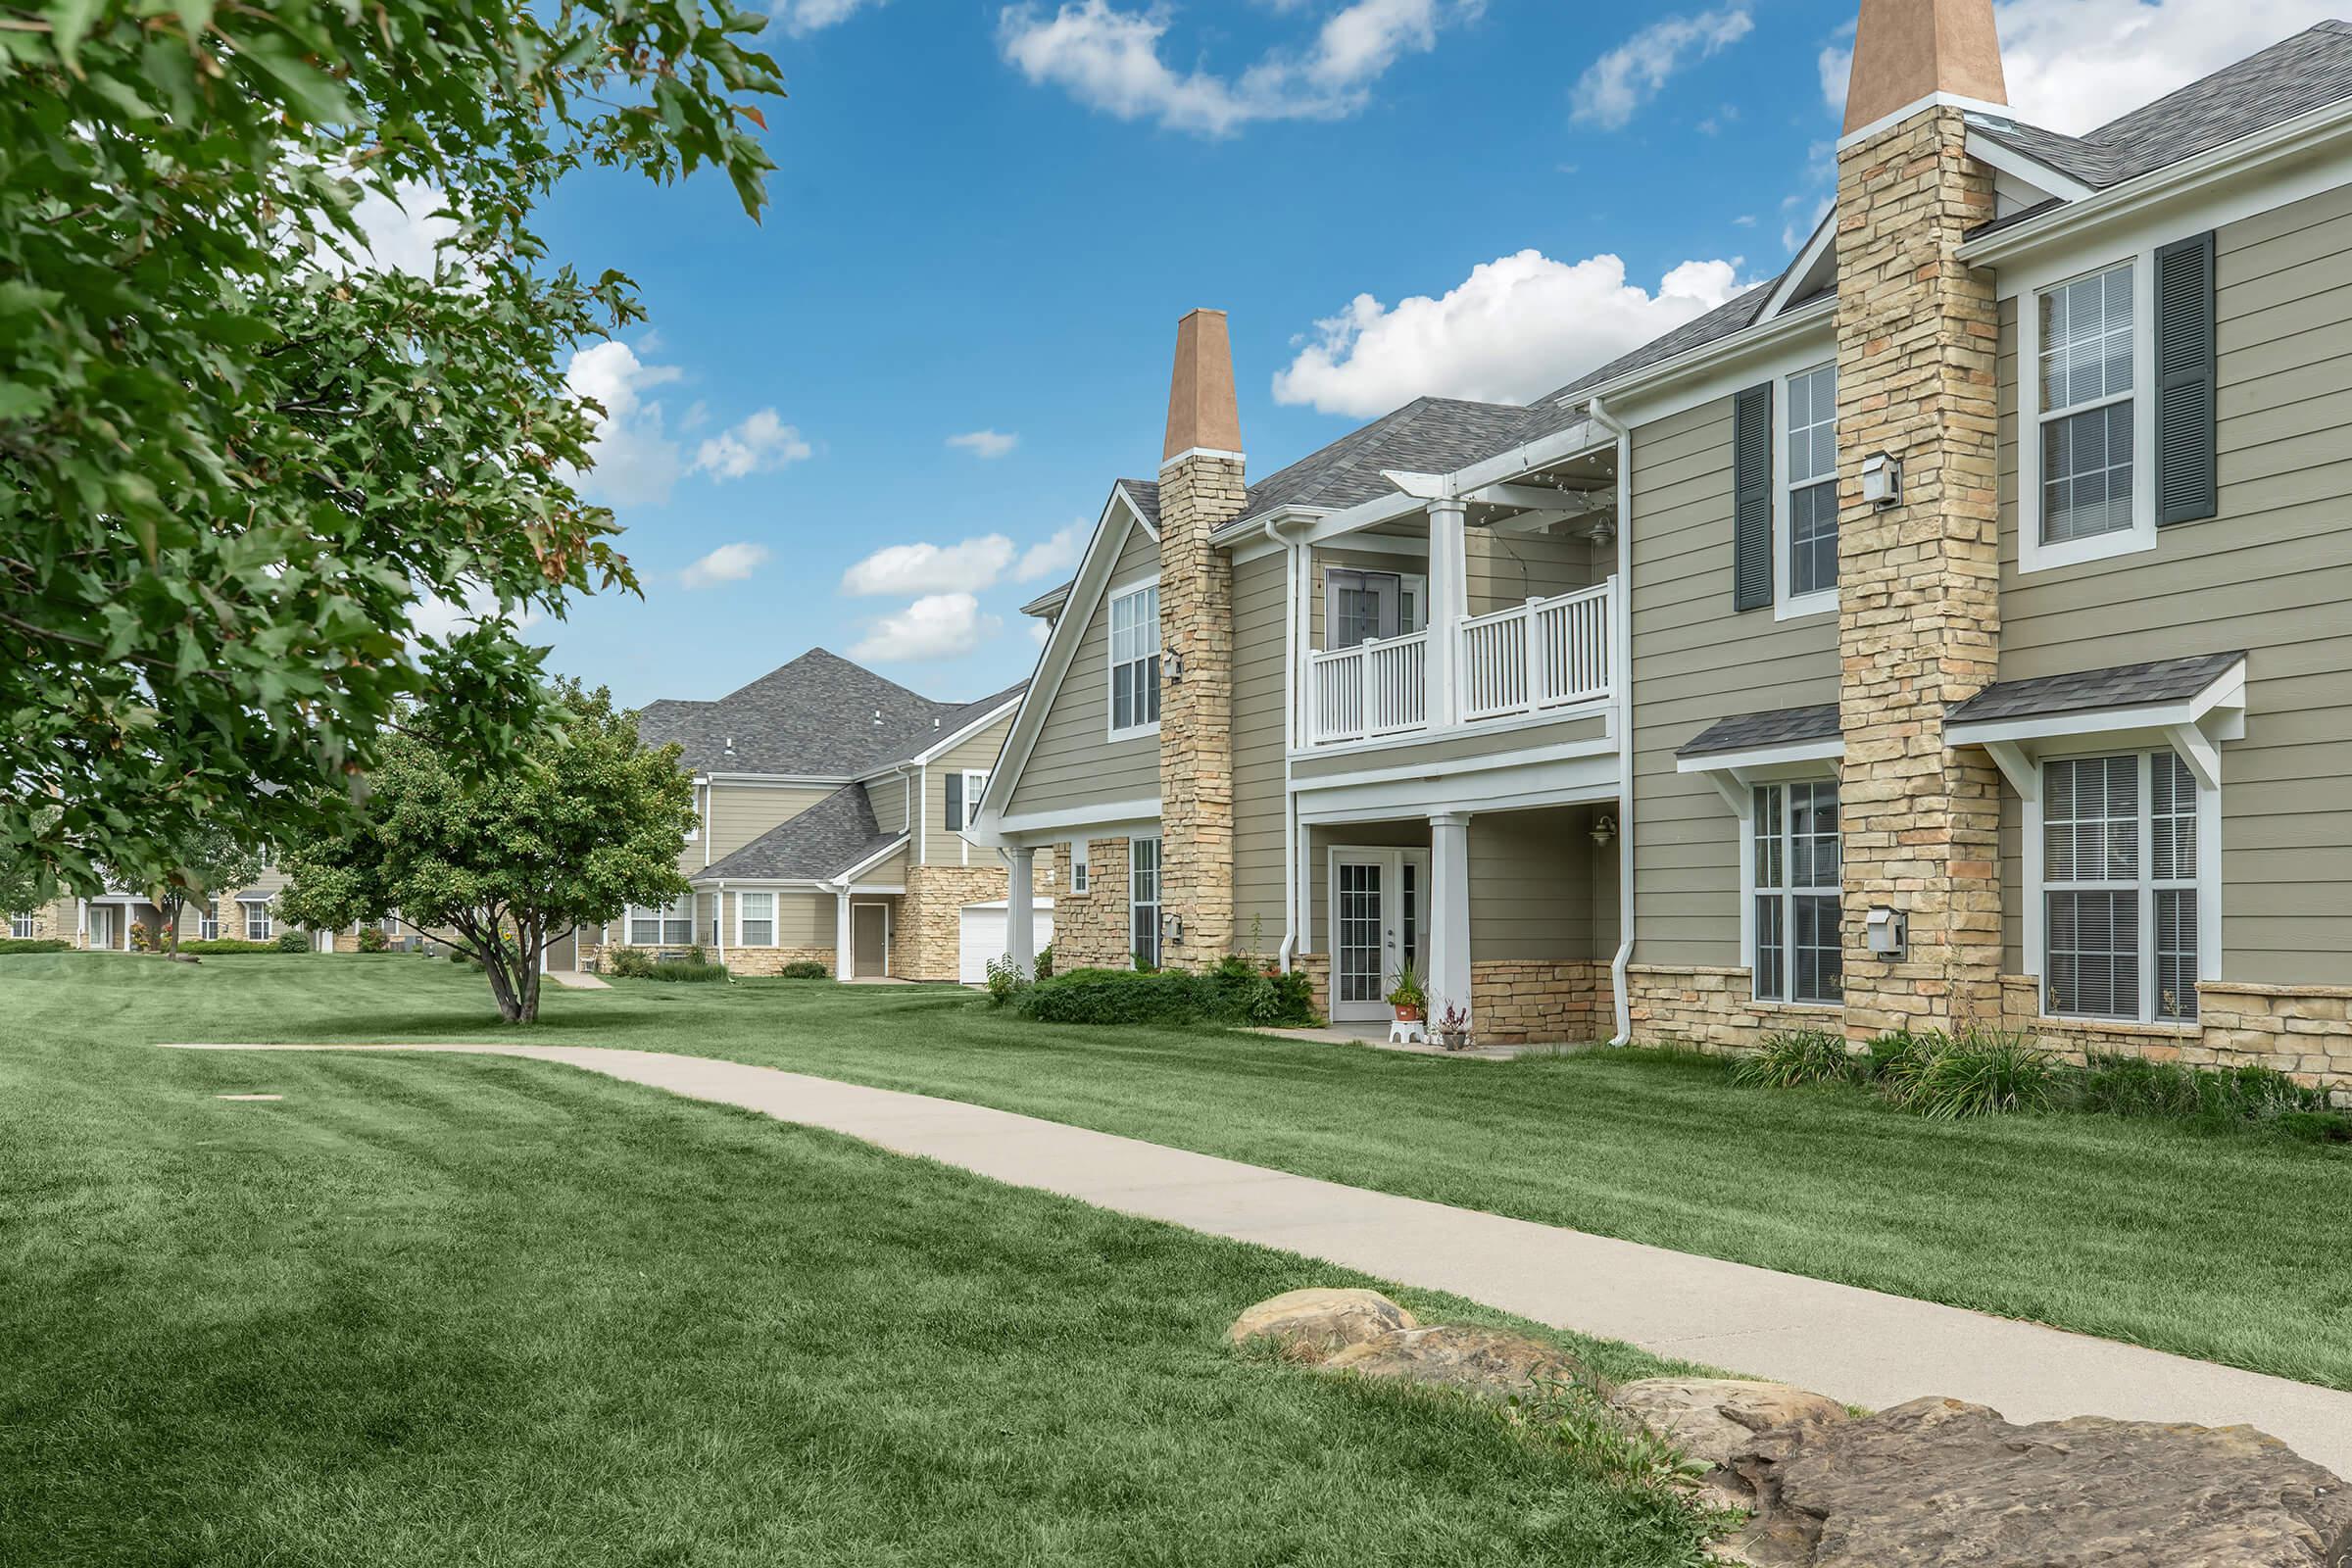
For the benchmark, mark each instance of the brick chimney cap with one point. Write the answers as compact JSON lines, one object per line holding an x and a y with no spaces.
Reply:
{"x":1202,"y":414}
{"x":1909,"y":52}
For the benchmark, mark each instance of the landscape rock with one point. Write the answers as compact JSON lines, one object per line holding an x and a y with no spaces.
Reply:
{"x":1310,"y":1324}
{"x":1941,"y":1483}
{"x":1710,"y":1419}
{"x":1491,"y":1364}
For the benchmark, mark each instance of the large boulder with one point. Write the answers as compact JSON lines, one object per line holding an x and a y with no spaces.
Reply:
{"x":1710,"y":1419}
{"x":1310,"y":1324}
{"x":1943,"y":1483}
{"x":1491,"y":1364}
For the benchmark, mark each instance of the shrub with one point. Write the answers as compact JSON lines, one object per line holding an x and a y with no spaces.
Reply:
{"x":2133,"y":1086}
{"x":1976,"y":1073}
{"x":804,"y":969}
{"x":1796,"y":1057}
{"x":372,"y":939}
{"x":1004,"y":980}
{"x":32,"y":945}
{"x":216,"y":946}
{"x":293,"y":941}
{"x":629,"y":963}
{"x":140,"y":940}
{"x":690,"y":968}
{"x":1043,"y":967}
{"x":1232,"y":993}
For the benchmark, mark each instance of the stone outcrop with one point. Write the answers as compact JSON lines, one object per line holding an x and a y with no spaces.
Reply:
{"x":1943,"y":1483}
{"x":1311,"y":1324}
{"x":1710,"y":1419}
{"x":1490,"y":1363}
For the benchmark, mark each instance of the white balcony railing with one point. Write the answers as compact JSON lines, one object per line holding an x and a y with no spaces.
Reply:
{"x":1541,"y":654}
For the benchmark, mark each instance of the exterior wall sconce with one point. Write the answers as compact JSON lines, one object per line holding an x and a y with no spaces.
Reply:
{"x":1603,"y":534}
{"x":1883,"y":480}
{"x":1889,"y":932}
{"x":1604,"y":831}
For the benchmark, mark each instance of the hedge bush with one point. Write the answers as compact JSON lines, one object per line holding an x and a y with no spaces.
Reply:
{"x":637,"y":963}
{"x":1233,"y":993}
{"x":216,"y":946}
{"x":293,"y":941}
{"x":372,"y":939}
{"x":804,"y":969}
{"x":33,"y":945}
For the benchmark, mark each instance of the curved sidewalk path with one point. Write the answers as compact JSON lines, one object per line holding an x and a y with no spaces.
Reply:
{"x":1861,"y":1346}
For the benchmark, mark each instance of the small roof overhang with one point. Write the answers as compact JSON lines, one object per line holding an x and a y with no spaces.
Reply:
{"x":1780,"y":737}
{"x":2160,"y":694}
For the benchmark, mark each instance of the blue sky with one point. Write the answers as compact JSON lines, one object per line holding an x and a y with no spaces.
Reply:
{"x":986,"y":221}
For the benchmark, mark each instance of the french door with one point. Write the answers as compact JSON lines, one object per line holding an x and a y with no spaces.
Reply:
{"x":1379,"y":923}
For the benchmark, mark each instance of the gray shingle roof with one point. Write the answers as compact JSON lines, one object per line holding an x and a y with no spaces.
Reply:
{"x":1723,"y":321}
{"x":1782,"y":726}
{"x":1428,"y":435}
{"x":824,"y":841}
{"x":2291,"y":77}
{"x":1145,"y":495}
{"x":819,"y":717}
{"x":2162,"y":680}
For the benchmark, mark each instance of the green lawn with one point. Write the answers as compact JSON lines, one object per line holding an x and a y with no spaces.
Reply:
{"x":466,"y":1310}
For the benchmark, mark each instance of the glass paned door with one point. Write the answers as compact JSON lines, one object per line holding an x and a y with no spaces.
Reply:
{"x":1379,"y":917}
{"x":1360,"y":927}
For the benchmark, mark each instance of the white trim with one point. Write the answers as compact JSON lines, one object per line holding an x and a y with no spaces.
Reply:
{"x":1787,"y":604}
{"x":1104,"y":815}
{"x":1189,"y":453}
{"x":1933,"y":100}
{"x":2041,"y":176}
{"x":850,"y":906}
{"x":1391,"y":860}
{"x":1457,"y":767}
{"x":2033,"y":555}
{"x":870,"y":862}
{"x":1112,"y":662}
{"x":1710,"y":370}
{"x":957,"y":737}
{"x":1079,"y":856}
{"x":1819,"y":248}
{"x":775,"y":923}
{"x":1762,"y":759}
{"x":1743,"y":808}
{"x":1159,"y":897}
{"x":2224,"y":695}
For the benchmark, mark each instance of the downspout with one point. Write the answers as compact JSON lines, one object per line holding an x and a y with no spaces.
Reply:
{"x":1293,"y":555}
{"x":1622,"y":656}
{"x":718,"y":923}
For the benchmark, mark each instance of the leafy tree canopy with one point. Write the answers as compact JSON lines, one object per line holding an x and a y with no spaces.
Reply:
{"x":236,"y":453}
{"x":581,"y":820}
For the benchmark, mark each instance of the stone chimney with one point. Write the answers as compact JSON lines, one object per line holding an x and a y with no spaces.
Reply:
{"x":1201,"y":484}
{"x":1919,"y":607}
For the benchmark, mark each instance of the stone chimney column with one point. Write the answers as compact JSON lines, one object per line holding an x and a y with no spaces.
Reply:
{"x":1919,"y":607}
{"x":1201,"y":484}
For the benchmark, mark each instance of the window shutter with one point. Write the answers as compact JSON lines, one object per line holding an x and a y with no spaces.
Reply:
{"x":2186,"y":485}
{"x":955,"y":801}
{"x":1751,"y":498}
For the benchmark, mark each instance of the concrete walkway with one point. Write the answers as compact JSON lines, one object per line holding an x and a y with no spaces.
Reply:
{"x":576,"y":980}
{"x":1860,"y":1346}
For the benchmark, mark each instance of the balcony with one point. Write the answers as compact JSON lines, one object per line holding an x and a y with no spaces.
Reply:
{"x":1530,"y":659}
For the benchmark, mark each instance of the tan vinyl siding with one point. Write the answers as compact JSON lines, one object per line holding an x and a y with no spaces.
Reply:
{"x":1696,"y":660}
{"x":1503,"y":571}
{"x":2271,"y":574}
{"x":889,"y":873}
{"x":889,"y":797}
{"x":1539,"y":888}
{"x":1074,"y":765}
{"x":741,"y":812}
{"x":1259,"y":744}
{"x":978,"y":755}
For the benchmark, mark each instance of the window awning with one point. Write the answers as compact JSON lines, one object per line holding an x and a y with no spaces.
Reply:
{"x":2193,"y":702}
{"x":1775,"y":738}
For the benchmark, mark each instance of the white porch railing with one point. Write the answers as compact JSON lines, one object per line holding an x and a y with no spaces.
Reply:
{"x":1544,"y":654}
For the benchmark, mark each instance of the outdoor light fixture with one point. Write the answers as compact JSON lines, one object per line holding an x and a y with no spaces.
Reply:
{"x":1883,"y":480}
{"x":1889,"y":933}
{"x":1175,"y":927}
{"x":1604,"y":831}
{"x":1605,"y":533}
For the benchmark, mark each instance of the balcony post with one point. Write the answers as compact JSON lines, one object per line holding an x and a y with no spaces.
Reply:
{"x":1448,"y":980}
{"x":1447,"y":605}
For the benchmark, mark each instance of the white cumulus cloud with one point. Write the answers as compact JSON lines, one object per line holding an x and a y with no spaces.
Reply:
{"x":802,"y":16}
{"x":1516,"y":327}
{"x":935,"y":627}
{"x":984,"y":443}
{"x":1110,"y":59}
{"x":923,"y":568}
{"x":760,"y":444}
{"x":636,"y":461}
{"x":436,"y":619}
{"x":726,"y":563}
{"x":1056,"y":556}
{"x":1618,"y":83}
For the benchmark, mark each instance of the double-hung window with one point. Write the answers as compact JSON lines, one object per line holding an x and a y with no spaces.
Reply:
{"x":2118,"y":869}
{"x":20,"y":925}
{"x":2083,"y":366}
{"x":256,"y":920}
{"x":1811,"y":504}
{"x":1080,"y":871}
{"x":1142,"y":902}
{"x":964,"y":790}
{"x":669,"y":926}
{"x":755,"y":920}
{"x":1135,"y":662}
{"x":1799,"y":883}
{"x":208,"y":924}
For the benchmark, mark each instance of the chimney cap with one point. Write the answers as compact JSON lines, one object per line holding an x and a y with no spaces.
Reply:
{"x":1202,"y":412}
{"x":1907,"y":52}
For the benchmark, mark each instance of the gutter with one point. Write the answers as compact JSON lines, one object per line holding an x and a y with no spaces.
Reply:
{"x":1623,"y":653}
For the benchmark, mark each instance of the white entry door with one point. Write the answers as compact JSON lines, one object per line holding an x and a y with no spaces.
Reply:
{"x":1379,"y":917}
{"x":102,"y":927}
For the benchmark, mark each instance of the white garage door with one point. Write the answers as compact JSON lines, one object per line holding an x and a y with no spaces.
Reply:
{"x":983,"y":937}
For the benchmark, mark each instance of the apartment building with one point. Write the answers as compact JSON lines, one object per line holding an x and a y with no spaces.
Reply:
{"x":1954,"y":629}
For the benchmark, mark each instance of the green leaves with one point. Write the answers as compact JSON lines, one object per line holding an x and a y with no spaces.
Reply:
{"x":234,"y":463}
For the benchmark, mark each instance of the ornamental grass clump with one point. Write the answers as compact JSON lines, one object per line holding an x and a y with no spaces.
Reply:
{"x":1978,"y":1072}
{"x":1794,"y":1059}
{"x":2217,"y":1097}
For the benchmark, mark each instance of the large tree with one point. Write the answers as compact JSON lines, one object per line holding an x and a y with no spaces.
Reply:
{"x":238,"y":453}
{"x":577,"y":822}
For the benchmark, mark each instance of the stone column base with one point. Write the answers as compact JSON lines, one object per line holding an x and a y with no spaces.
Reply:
{"x":1090,"y":928}
{"x":1520,"y":1002}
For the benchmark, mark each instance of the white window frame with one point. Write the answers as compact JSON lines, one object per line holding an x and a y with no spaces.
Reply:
{"x":208,"y":922}
{"x":2035,"y":946}
{"x":1115,"y":664}
{"x":1787,"y":604}
{"x":1750,"y":887}
{"x":975,"y":785}
{"x":257,"y":911}
{"x":1136,"y":905}
{"x":20,"y":924}
{"x":1413,"y":599}
{"x":1081,"y":872}
{"x":741,"y":919}
{"x":2033,"y":555}
{"x":677,"y":913}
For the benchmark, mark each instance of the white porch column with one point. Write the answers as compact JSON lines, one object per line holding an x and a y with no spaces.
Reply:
{"x":1448,"y":605}
{"x":1448,"y":981}
{"x":842,"y":965}
{"x":1020,"y":909}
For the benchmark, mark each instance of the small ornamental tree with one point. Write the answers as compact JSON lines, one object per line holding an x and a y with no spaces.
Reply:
{"x":212,"y":861}
{"x":561,"y":831}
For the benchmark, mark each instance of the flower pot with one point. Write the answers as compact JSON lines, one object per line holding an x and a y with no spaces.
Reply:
{"x":1457,"y":1040}
{"x":1407,"y":1014}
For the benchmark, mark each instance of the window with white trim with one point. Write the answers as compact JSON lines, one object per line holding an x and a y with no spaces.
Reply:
{"x":2120,"y":888}
{"x":1135,"y":662}
{"x":755,"y":920}
{"x":669,"y":926}
{"x":1142,"y":902}
{"x":2083,"y":366}
{"x":20,"y":924}
{"x":1079,"y":869}
{"x":208,"y":924}
{"x":257,"y":919}
{"x":964,"y":791}
{"x":1810,"y":507}
{"x":1798,"y":892}
{"x":1360,"y":605}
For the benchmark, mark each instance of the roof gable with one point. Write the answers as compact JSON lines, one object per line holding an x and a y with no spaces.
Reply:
{"x":832,"y":837}
{"x":818,"y":716}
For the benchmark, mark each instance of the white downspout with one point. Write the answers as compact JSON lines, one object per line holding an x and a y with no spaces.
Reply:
{"x":718,"y":923}
{"x":1622,"y":656}
{"x":1292,"y":579}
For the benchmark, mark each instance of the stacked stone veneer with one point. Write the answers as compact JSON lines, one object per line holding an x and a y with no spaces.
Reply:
{"x":1710,"y":1008}
{"x":1514,"y":1002}
{"x":928,"y":936}
{"x":1919,"y":607}
{"x":1090,"y":928}
{"x":2299,"y":1030}
{"x":771,"y":960}
{"x":1196,"y":711}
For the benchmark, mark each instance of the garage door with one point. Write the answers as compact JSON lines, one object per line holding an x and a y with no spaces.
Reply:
{"x":983,"y":937}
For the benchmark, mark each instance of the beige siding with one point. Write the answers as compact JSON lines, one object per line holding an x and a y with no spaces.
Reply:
{"x":803,"y":919}
{"x":978,"y":755}
{"x":889,"y":873}
{"x":2272,"y":575}
{"x":1540,"y":887}
{"x":1073,"y":764}
{"x":1507,"y":569}
{"x":1696,"y":660}
{"x":741,"y":812}
{"x":889,"y":798}
{"x":1259,"y":748}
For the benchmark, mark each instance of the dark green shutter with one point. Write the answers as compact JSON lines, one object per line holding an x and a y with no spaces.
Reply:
{"x":2186,"y":485}
{"x":1751,"y":498}
{"x":955,"y":801}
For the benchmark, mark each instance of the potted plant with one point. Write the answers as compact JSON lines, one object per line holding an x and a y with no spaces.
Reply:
{"x":1407,"y":997}
{"x":1454,"y":1027}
